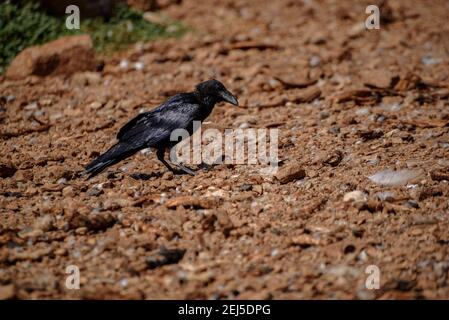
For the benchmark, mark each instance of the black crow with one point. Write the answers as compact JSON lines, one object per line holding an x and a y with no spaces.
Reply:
{"x":152,"y":129}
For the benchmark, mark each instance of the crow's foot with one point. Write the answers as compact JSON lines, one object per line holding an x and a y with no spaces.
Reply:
{"x":184,"y":170}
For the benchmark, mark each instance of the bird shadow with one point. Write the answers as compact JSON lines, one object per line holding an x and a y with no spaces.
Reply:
{"x":145,"y":176}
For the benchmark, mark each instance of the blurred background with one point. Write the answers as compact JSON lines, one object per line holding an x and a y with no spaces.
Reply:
{"x":112,"y":24}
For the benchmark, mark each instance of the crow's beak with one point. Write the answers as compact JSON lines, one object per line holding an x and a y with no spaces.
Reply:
{"x":229,"y":97}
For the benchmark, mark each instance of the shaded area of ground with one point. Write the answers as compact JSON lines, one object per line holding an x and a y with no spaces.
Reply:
{"x":347,"y":102}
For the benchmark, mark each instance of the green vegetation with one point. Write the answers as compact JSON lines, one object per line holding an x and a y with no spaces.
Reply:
{"x":24,"y":25}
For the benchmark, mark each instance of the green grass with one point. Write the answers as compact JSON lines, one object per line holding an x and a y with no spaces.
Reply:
{"x":26,"y":25}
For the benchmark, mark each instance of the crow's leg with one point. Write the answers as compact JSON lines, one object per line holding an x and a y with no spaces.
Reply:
{"x":160,"y":155}
{"x":185,"y":169}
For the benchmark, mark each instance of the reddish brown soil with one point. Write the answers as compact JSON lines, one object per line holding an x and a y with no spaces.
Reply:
{"x":382,"y":104}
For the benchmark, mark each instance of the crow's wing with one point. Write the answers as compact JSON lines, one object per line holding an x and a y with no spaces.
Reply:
{"x":132,"y":123}
{"x":154,"y":126}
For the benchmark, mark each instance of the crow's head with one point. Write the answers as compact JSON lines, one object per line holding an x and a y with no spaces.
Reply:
{"x":214,"y":90}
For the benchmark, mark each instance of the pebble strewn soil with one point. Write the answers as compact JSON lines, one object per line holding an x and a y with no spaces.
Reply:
{"x":349,"y":104}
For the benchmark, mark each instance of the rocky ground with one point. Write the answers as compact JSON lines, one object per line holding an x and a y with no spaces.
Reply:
{"x":349,"y":103}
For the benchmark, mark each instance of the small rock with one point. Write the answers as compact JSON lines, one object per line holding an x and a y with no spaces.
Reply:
{"x":68,"y":192}
{"x":334,"y":130}
{"x":381,"y":118}
{"x":124,"y":64}
{"x":31,"y":107}
{"x":190,"y":202}
{"x":395,"y":178}
{"x":307,"y":95}
{"x":168,"y":175}
{"x":385,"y":196}
{"x":441,"y":233}
{"x":314,"y":61}
{"x":224,"y":222}
{"x":306,"y":240}
{"x":358,"y":198}
{"x":407,"y":82}
{"x":65,"y":55}
{"x":429,"y":192}
{"x":31,"y":254}
{"x":356,"y":30}
{"x":7,"y":170}
{"x":251,"y":120}
{"x":258,"y":188}
{"x":12,"y":194}
{"x":86,"y":78}
{"x":371,"y":134}
{"x":355,"y":196}
{"x":141,"y":176}
{"x":81,"y":231}
{"x":93,"y":221}
{"x":379,"y":78}
{"x":318,"y":37}
{"x":412,"y":204}
{"x":334,"y":158}
{"x":440,"y":175}
{"x":95,"y":191}
{"x":62,"y":181}
{"x":138,"y":66}
{"x":114,"y":202}
{"x":429,"y":60}
{"x":24,"y":175}
{"x":44,"y":223}
{"x":290,"y":173}
{"x":95,"y":105}
{"x":164,"y":256}
{"x":245,"y":187}
{"x":394,"y":107}
{"x":45,"y":102}
{"x":30,"y":233}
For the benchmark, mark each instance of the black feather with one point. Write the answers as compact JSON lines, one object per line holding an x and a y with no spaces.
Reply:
{"x":115,"y":154}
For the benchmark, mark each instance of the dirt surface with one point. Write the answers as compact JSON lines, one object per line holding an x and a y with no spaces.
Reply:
{"x":348,"y":103}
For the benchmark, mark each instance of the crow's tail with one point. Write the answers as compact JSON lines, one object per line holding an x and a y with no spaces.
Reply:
{"x":114,"y":155}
